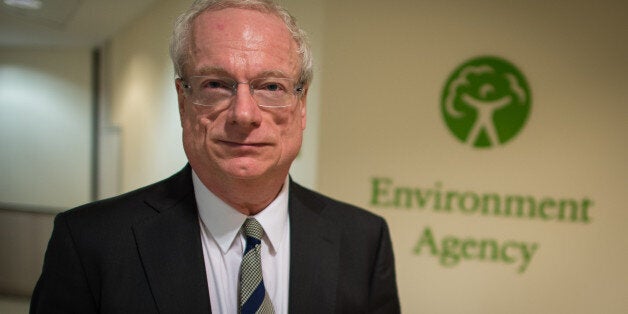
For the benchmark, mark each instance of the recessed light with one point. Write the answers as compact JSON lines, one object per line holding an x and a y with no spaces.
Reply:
{"x":24,"y":4}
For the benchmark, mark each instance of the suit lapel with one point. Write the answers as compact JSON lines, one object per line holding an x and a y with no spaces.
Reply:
{"x":170,"y":249}
{"x":314,"y":255}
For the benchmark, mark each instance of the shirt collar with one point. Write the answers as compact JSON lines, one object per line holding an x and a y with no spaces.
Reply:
{"x":223,"y":222}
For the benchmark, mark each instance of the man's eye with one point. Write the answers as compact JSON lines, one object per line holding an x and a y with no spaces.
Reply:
{"x":215,"y":84}
{"x":272,"y":87}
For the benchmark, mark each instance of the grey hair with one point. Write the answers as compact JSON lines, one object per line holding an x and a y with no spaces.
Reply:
{"x":180,"y":43}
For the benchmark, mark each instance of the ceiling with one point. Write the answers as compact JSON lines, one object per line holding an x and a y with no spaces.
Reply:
{"x":67,"y":23}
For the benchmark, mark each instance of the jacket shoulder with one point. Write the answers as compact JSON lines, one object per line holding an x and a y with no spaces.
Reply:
{"x":133,"y":205}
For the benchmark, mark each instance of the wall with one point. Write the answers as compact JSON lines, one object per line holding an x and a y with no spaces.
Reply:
{"x":23,"y":240}
{"x":45,"y":112}
{"x":142,"y":100}
{"x":45,"y":133}
{"x":311,"y":17}
{"x":384,"y":145}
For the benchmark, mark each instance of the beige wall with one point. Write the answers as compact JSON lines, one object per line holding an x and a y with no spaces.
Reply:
{"x":387,"y":63}
{"x":45,"y":134}
{"x":23,"y":240}
{"x":142,"y":99}
{"x":45,"y":111}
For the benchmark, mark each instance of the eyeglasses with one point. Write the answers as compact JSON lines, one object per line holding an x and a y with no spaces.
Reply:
{"x":268,"y":92}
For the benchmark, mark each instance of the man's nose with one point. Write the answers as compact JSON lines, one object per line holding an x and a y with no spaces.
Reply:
{"x":244,"y":110}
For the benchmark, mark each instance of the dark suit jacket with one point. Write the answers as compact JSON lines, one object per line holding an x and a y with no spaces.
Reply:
{"x":141,"y":253}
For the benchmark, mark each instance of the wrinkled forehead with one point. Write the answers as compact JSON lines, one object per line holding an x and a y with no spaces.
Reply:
{"x":235,"y":22}
{"x":234,"y":30}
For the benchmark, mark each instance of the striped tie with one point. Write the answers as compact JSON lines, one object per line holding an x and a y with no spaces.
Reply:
{"x":253,"y":295}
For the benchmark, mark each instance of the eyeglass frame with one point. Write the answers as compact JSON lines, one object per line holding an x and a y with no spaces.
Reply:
{"x":298,"y":90}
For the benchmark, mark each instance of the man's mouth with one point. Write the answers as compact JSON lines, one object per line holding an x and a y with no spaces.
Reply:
{"x":242,"y":144}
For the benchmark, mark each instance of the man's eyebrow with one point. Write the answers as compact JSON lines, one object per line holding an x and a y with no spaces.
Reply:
{"x":212,"y":71}
{"x":273,"y":73}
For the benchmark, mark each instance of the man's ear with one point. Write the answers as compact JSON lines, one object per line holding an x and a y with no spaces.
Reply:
{"x":303,"y":102}
{"x":178,"y":83}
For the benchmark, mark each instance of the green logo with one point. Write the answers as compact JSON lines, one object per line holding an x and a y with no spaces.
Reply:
{"x":486,"y":102}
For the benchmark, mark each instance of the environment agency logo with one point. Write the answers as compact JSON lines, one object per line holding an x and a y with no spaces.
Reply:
{"x":486,"y":102}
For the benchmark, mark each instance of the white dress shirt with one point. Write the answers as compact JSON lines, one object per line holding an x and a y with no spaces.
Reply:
{"x":224,"y":243}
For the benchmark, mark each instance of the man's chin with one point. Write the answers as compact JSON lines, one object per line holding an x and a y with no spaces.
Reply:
{"x":245,"y":168}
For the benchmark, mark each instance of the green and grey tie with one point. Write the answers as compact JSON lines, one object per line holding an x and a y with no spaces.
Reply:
{"x":253,"y":295}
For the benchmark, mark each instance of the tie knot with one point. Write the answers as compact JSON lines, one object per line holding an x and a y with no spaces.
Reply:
{"x":252,"y":228}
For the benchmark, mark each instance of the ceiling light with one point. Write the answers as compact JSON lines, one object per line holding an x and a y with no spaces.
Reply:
{"x":24,"y":4}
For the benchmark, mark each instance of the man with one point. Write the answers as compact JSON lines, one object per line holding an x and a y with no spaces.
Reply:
{"x":183,"y":245}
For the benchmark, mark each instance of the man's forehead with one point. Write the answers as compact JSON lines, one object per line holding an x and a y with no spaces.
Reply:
{"x":241,"y":28}
{"x":240,"y":36}
{"x":228,"y":20}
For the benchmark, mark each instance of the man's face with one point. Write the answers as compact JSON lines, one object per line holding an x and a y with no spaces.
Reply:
{"x":241,"y":141}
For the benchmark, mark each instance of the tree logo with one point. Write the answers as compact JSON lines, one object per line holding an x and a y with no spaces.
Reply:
{"x":486,"y":102}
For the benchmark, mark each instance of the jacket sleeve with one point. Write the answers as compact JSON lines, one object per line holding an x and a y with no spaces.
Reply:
{"x":62,"y":286}
{"x":383,"y":296}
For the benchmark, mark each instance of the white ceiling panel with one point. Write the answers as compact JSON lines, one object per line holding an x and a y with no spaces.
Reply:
{"x":67,"y":23}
